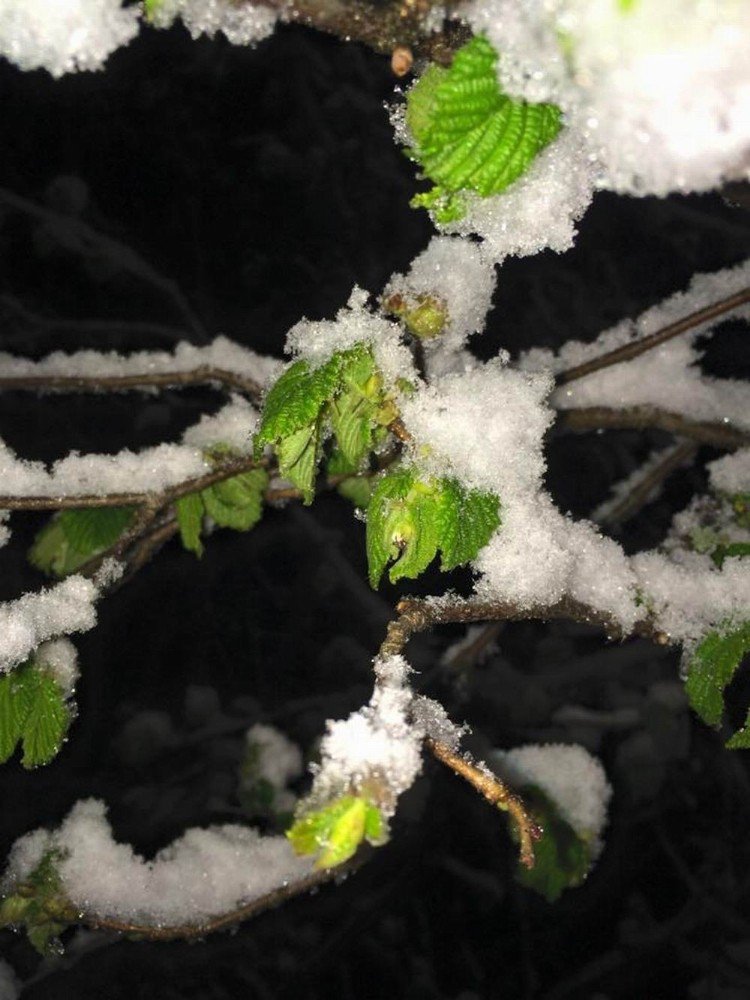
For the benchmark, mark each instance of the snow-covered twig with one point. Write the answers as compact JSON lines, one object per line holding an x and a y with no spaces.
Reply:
{"x":591,"y":418}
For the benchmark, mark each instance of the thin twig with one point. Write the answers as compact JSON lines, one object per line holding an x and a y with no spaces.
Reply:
{"x":642,"y":491}
{"x":632,"y":350}
{"x":496,"y":792}
{"x":202,"y":375}
{"x":590,"y":418}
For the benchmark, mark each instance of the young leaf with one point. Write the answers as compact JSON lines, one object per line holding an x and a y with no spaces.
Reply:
{"x":712,"y":666}
{"x":190,"y":510}
{"x":561,"y":858}
{"x":39,"y":905}
{"x":13,"y":711}
{"x":237,"y":502}
{"x":352,"y":420}
{"x":296,"y":399}
{"x":388,"y":522}
{"x":356,"y":489}
{"x":467,"y":521}
{"x":72,"y":537}
{"x":728,"y":550}
{"x":468,"y":135}
{"x":298,"y":458}
{"x":336,"y":831}
{"x":47,"y":721}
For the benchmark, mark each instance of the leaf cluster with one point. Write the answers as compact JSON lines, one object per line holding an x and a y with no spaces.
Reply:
{"x":235,"y":503}
{"x":336,"y":831}
{"x":711,"y":667}
{"x":410,"y":519}
{"x":345,"y":395}
{"x":39,"y":905}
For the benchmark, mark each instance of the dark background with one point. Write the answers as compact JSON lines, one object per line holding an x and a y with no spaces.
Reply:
{"x":244,"y":190}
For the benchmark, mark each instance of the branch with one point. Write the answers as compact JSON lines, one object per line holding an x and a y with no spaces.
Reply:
{"x":381,"y":26}
{"x":495,"y":791}
{"x":640,"y":418}
{"x":629,"y":351}
{"x":156,"y":499}
{"x":202,"y":375}
{"x":642,"y":490}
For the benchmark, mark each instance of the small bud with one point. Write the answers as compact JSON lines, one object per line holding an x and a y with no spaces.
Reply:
{"x":402,"y":60}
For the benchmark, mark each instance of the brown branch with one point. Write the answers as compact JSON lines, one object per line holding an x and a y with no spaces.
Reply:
{"x":591,"y":418}
{"x":496,"y":792}
{"x":640,"y":494}
{"x":202,"y":375}
{"x":187,"y":932}
{"x":381,"y":26}
{"x":632,"y":350}
{"x":156,"y":498}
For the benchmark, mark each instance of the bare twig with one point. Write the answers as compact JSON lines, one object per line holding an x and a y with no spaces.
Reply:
{"x":202,"y":375}
{"x":496,"y":793}
{"x":641,"y":418}
{"x":632,"y":350}
{"x":88,"y":243}
{"x":642,"y":490}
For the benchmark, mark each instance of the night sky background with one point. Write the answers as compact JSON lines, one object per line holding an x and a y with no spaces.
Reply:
{"x":256,"y":187}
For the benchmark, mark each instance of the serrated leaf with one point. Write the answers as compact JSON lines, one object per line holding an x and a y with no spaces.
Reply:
{"x":352,"y":419}
{"x":190,"y":510}
{"x":39,"y":905}
{"x":468,"y":135}
{"x":237,"y":502}
{"x":356,"y":489}
{"x":382,"y":512}
{"x":295,"y":400}
{"x":418,"y":541}
{"x":46,"y":722}
{"x":336,"y":831}
{"x":468,"y":520}
{"x":298,"y":459}
{"x":561,"y":858}
{"x":92,"y":530}
{"x":13,"y":711}
{"x":711,"y":667}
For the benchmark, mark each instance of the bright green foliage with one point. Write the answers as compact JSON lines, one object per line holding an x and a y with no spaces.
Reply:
{"x":33,"y":712}
{"x":711,"y":668}
{"x":346,"y":393}
{"x":336,"y":831}
{"x":468,"y":135}
{"x":72,"y":537}
{"x":426,"y":319}
{"x":409,"y":519}
{"x":39,"y":905}
{"x":150,"y":7}
{"x":562,"y":858}
{"x":356,"y":488}
{"x":235,"y":503}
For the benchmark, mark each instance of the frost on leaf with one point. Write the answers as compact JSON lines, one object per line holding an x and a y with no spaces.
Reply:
{"x":468,"y":135}
{"x":409,"y":519}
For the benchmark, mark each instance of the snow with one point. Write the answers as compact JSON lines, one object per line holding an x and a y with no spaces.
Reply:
{"x":277,"y":759}
{"x":316,"y":341}
{"x":30,"y":620}
{"x":234,"y":425}
{"x":243,"y":24}
{"x":667,"y":375}
{"x":459,"y":275}
{"x":660,"y":94}
{"x":4,"y":529}
{"x":65,"y":35}
{"x":537,"y":212}
{"x":206,"y":872}
{"x":60,"y":657}
{"x":378,"y":744}
{"x":731,"y":474}
{"x":624,"y":487}
{"x":570,"y":776}
{"x":221,"y":353}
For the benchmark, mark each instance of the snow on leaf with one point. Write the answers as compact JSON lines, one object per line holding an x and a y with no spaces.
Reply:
{"x":468,"y":135}
{"x":711,"y":667}
{"x":471,"y":518}
{"x":336,"y":831}
{"x":561,"y":857}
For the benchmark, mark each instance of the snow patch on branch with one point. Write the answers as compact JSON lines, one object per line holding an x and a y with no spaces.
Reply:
{"x":731,"y":474}
{"x":65,"y":35}
{"x":205,"y":873}
{"x":25,"y":623}
{"x":243,"y":24}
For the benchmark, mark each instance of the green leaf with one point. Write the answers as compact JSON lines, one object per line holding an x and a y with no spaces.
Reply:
{"x":190,"y":511}
{"x":336,"y":831}
{"x":295,"y":400}
{"x":356,"y":489}
{"x":468,"y":135}
{"x":352,"y":419}
{"x":72,"y":537}
{"x":561,"y":858}
{"x":39,"y":905}
{"x":409,"y":519}
{"x":712,"y":665}
{"x":237,"y":502}
{"x":47,"y":721}
{"x":741,"y":509}
{"x":298,"y":455}
{"x":728,"y":550}
{"x":92,"y":530}
{"x":468,"y":520}
{"x":13,"y":711}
